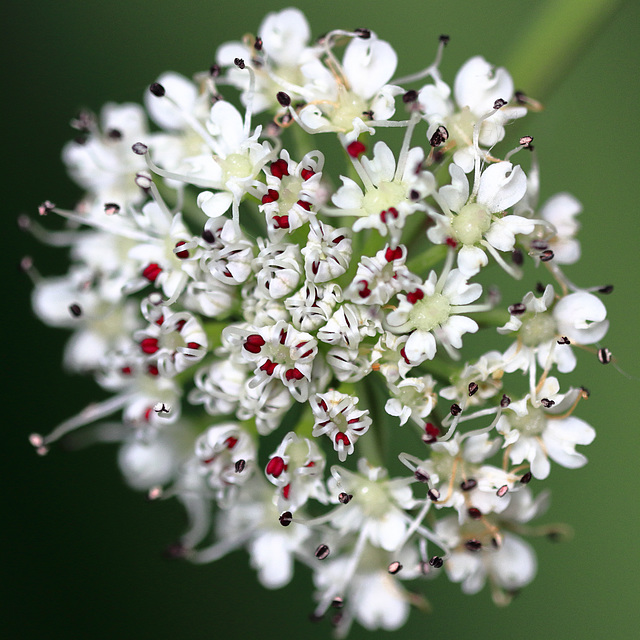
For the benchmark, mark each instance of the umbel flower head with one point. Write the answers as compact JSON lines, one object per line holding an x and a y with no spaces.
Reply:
{"x":268,"y":298}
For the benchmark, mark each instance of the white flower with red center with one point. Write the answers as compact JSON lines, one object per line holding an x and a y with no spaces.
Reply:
{"x":297,"y":469}
{"x":480,"y":223}
{"x":429,"y":312}
{"x":227,"y":458}
{"x":386,"y":357}
{"x":546,"y":330}
{"x":539,"y":427}
{"x":336,"y":416}
{"x":327,"y":253}
{"x":228,"y":253}
{"x":349,"y":325}
{"x":291,"y":192}
{"x":173,"y":341}
{"x":279,"y":352}
{"x":219,"y":387}
{"x":312,"y":306}
{"x":476,"y":88}
{"x":278,"y":268}
{"x":387,"y":199}
{"x":348,"y":365}
{"x":379,"y":278}
{"x":412,"y":398}
{"x":560,"y":211}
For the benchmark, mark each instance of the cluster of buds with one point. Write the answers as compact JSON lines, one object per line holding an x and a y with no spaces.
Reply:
{"x":268,"y":322}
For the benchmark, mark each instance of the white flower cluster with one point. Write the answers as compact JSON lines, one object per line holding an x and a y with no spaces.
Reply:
{"x":223,"y":290}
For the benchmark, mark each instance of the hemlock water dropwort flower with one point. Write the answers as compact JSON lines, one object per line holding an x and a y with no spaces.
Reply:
{"x":266,"y":314}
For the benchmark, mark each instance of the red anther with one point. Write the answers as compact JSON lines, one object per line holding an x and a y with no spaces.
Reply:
{"x":323,"y":405}
{"x":152,"y":370}
{"x":285,"y":491}
{"x":414,"y":296}
{"x":279,"y":168}
{"x":353,"y":420}
{"x":342,"y":437}
{"x":193,"y":345}
{"x":180,"y":325}
{"x":184,"y":254}
{"x":125,"y":371}
{"x":307,"y":173}
{"x":365,"y":292}
{"x":160,"y":320}
{"x":281,"y":222}
{"x":148,"y":413}
{"x":304,"y":204}
{"x":283,"y":336}
{"x":293,"y":374}
{"x":314,"y":267}
{"x":271,"y":196}
{"x":310,"y":464}
{"x":451,"y":242}
{"x":254,"y":343}
{"x":403,"y":353}
{"x":149,"y":345}
{"x":356,"y":148}
{"x":269,"y":367}
{"x":338,"y":240}
{"x":306,"y":353}
{"x":431,"y":430}
{"x":275,"y":467}
{"x":151,"y":272}
{"x":393,"y":254}
{"x":231,"y":442}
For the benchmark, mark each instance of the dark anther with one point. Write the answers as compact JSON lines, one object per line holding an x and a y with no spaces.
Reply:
{"x":322,"y":552}
{"x":139,"y":148}
{"x":239,"y":62}
{"x":368,"y":114}
{"x":554,"y":536}
{"x":473,"y":545}
{"x":394,"y":568}
{"x":469,"y":484}
{"x":111,"y":208}
{"x":564,"y":340}
{"x":546,"y":255}
{"x":526,"y":478}
{"x":545,"y":402}
{"x":286,"y":518}
{"x":434,"y":495}
{"x":606,"y":290}
{"x":517,"y":257}
{"x":410,"y":96}
{"x":337,"y":603}
{"x":283,"y":98}
{"x":455,"y":409}
{"x":520,"y":97}
{"x":585,"y":392}
{"x":75,"y":310}
{"x":502,"y":491}
{"x":114,"y":134}
{"x":345,"y":498}
{"x":436,"y":562}
{"x":440,"y":136}
{"x":257,"y":45}
{"x":474,"y":513}
{"x":46,"y":207}
{"x":526,"y":141}
{"x":214,"y":71}
{"x":517,"y":309}
{"x":421,"y":476}
{"x":175,"y":551}
{"x":604,"y":355}
{"x":499,"y":103}
{"x":83,"y":122}
{"x":240,"y":466}
{"x":207,"y":236}
{"x":505,"y":401}
{"x":473,"y":388}
{"x":365,"y":34}
{"x":539,"y":245}
{"x":444,"y":39}
{"x":539,"y":287}
{"x":414,"y":195}
{"x":157,"y":89}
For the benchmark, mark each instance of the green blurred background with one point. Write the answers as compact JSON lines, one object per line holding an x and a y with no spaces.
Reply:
{"x":81,"y":554}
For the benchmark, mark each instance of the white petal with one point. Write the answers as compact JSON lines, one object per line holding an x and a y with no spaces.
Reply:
{"x":285,"y":35}
{"x":455,"y":327}
{"x":502,"y":232}
{"x":368,"y":65}
{"x":456,"y":194}
{"x":514,"y":565}
{"x":478,"y":85}
{"x":179,"y":90}
{"x":471,"y":260}
{"x":214,"y":204}
{"x":348,"y":196}
{"x":501,"y":186}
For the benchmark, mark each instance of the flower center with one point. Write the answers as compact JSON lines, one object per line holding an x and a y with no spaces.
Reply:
{"x":471,"y":223}
{"x":460,"y":127}
{"x":372,"y":498}
{"x":533,"y":424}
{"x":236,"y":165}
{"x":430,"y":312}
{"x":289,"y":192}
{"x":538,"y":328}
{"x":386,"y":196}
{"x":349,"y":106}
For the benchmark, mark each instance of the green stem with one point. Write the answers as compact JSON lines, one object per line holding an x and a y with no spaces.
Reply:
{"x":558,"y":34}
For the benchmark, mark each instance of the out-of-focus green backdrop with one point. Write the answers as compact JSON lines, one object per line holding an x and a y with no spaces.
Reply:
{"x":81,"y":553}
